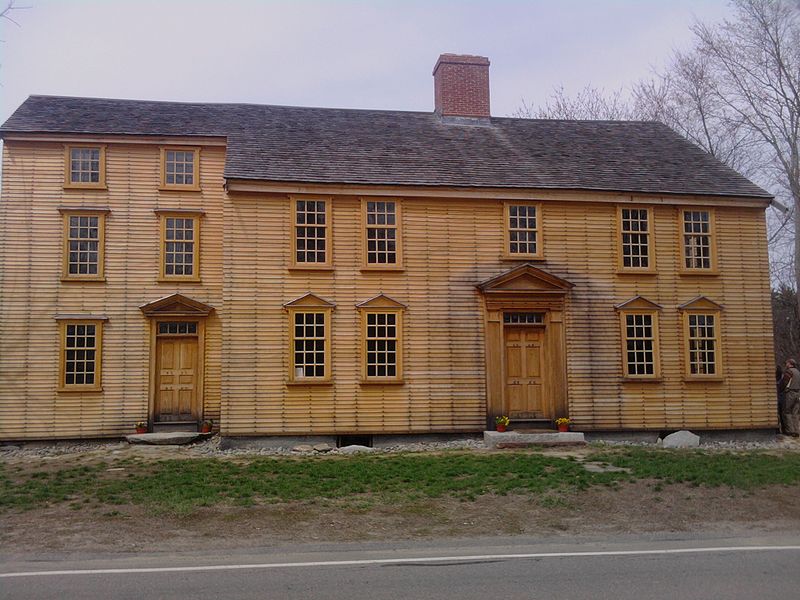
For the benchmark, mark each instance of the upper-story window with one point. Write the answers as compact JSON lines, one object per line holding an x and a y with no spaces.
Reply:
{"x":85,"y":166}
{"x":635,"y":226}
{"x":382,"y":243}
{"x":523,"y":230}
{"x":180,"y":245}
{"x":83,"y":244}
{"x":697,"y":240}
{"x":180,"y":168}
{"x":311,"y":248}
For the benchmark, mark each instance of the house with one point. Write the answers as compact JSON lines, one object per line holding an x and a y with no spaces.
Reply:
{"x":293,"y":271}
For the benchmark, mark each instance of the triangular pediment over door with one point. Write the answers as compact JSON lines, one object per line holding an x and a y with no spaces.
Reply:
{"x":525,"y":280}
{"x":176,"y":305}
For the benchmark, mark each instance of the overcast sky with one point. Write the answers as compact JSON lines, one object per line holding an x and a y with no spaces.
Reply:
{"x":336,"y":53}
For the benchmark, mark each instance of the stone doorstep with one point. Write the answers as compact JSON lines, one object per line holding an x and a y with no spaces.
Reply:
{"x":167,"y":438}
{"x":512,"y":439}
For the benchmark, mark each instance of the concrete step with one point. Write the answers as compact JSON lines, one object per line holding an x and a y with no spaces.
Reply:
{"x":170,"y":426}
{"x":166,"y":438}
{"x":515,"y":439}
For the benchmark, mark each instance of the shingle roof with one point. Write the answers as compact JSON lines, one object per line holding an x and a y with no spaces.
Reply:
{"x":324,"y":145}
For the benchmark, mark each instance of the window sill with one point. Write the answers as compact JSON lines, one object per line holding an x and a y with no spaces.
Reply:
{"x":310,"y":382}
{"x":642,"y":380}
{"x":83,"y":279}
{"x":85,"y":186}
{"x":523,"y":257}
{"x":179,"y":280}
{"x":85,"y":390}
{"x":328,"y":268}
{"x":380,"y":269}
{"x":382,"y":382}
{"x":179,"y":188}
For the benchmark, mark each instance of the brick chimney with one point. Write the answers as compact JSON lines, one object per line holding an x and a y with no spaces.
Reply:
{"x":461,"y":86}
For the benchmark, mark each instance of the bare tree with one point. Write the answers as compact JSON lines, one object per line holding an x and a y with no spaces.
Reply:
{"x":590,"y":103}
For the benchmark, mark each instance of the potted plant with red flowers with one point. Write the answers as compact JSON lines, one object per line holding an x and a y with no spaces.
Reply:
{"x":141,"y":427}
{"x":205,"y":426}
{"x":501,"y":423}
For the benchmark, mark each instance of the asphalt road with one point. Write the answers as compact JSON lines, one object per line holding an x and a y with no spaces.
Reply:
{"x":752,"y":568}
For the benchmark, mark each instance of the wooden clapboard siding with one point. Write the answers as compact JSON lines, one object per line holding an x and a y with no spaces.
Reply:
{"x":30,"y":255}
{"x":450,"y":245}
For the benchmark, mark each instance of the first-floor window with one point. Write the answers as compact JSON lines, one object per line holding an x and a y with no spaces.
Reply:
{"x":640,"y":344}
{"x":310,"y":345}
{"x":702,"y":339}
{"x":382,"y":340}
{"x":81,"y":344}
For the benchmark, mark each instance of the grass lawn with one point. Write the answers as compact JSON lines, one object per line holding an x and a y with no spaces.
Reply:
{"x":179,"y":487}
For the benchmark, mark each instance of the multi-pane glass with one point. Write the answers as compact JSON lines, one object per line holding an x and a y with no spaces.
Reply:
{"x":309,"y":344}
{"x":84,"y":165}
{"x":523,"y":318}
{"x":80,"y":354}
{"x":83,"y":245}
{"x":381,"y":347}
{"x":522,"y":229}
{"x":697,"y":239}
{"x":179,"y":246}
{"x":310,"y":232}
{"x":702,"y":344}
{"x":639,"y":345}
{"x":178,"y":328}
{"x":179,"y":167}
{"x":381,"y":233}
{"x":635,"y":238}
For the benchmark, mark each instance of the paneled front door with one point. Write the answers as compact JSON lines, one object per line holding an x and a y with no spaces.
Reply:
{"x":177,"y":376}
{"x":523,"y":376}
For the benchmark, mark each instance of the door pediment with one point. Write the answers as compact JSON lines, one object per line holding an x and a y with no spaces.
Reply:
{"x":176,"y":305}
{"x":525,"y":279}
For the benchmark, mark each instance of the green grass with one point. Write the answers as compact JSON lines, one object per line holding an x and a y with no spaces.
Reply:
{"x":181,"y":486}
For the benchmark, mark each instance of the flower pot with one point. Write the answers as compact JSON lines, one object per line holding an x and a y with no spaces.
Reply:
{"x":501,"y":428}
{"x":563,"y":427}
{"x":141,"y":430}
{"x":205,"y":429}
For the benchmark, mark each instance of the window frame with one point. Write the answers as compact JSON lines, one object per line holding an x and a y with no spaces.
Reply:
{"x":86,"y":185}
{"x":304,"y":309}
{"x":507,"y":254}
{"x":97,"y":386}
{"x":365,"y":311}
{"x":712,"y":234}
{"x":687,"y":311}
{"x":653,"y":314}
{"x":163,"y":215}
{"x":651,"y":254}
{"x":100,"y":213}
{"x":304,"y":266}
{"x":399,"y":264}
{"x":193,"y":187}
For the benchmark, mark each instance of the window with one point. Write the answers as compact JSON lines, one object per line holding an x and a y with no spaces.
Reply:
{"x":522,"y":230}
{"x":180,"y":168}
{"x":177,"y":328}
{"x":523,"y":318}
{"x":701,"y":330}
{"x":635,"y":239}
{"x":382,"y":234}
{"x":639,"y":334}
{"x":309,"y":345}
{"x":311,"y":248}
{"x":381,"y":340}
{"x":81,"y":349}
{"x":85,"y":167}
{"x":697,"y":235}
{"x":84,"y":233}
{"x":180,"y":246}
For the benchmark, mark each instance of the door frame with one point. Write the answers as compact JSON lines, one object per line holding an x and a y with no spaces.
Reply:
{"x":200,"y":374}
{"x":544,"y":373}
{"x":525,"y":288}
{"x":176,"y":308}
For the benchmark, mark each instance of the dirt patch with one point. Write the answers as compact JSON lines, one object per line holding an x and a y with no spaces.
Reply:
{"x":640,"y":507}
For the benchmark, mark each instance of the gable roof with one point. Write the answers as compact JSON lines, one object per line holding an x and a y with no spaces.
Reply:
{"x":344,"y":146}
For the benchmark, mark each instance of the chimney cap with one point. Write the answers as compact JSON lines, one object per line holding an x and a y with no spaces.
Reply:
{"x":460,"y":59}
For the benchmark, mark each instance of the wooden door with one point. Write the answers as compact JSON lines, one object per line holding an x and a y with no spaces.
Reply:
{"x":523,"y":373}
{"x":177,"y":381}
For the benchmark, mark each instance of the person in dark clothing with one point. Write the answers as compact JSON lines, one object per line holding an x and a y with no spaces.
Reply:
{"x":791,"y":403}
{"x":781,"y":397}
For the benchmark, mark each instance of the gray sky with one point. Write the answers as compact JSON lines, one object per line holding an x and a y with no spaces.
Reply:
{"x":335,"y":53}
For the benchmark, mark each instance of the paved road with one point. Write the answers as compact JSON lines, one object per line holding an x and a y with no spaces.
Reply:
{"x":751,"y":568}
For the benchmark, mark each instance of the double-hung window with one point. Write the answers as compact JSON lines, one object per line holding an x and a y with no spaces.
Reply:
{"x":180,"y":168}
{"x":83,"y":249}
{"x":382,"y":234}
{"x":311,"y":244}
{"x":522,"y":230}
{"x":179,"y":245}
{"x":698,"y":244}
{"x":635,"y":239}
{"x":640,"y":339}
{"x":80,"y":354}
{"x":309,"y":339}
{"x":381,"y":340}
{"x":85,"y":166}
{"x":702,"y":334}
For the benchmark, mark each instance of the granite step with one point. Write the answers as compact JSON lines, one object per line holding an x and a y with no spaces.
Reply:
{"x":515,"y":439}
{"x":166,"y":438}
